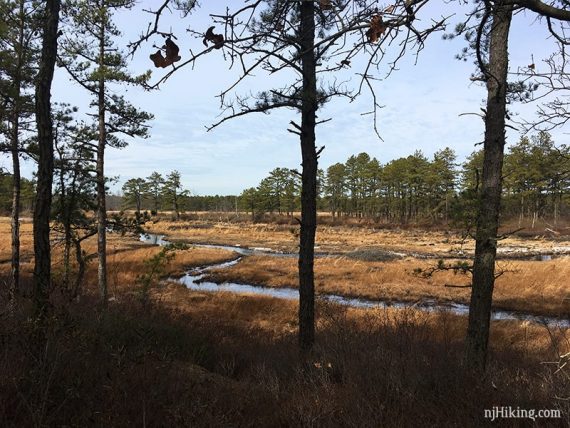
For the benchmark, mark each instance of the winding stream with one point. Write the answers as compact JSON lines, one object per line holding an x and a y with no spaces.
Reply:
{"x":193,"y":280}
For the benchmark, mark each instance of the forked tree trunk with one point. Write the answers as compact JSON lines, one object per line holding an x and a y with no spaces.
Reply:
{"x":100,"y":173}
{"x":42,"y":206}
{"x":491,"y":187}
{"x":308,"y":179}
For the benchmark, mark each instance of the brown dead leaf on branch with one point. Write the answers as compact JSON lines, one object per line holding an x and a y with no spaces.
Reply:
{"x":216,"y":39}
{"x":378,"y":26}
{"x":376,"y":30}
{"x":171,"y":54}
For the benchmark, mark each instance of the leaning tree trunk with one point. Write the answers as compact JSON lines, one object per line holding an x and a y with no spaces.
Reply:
{"x":42,"y":206}
{"x":308,"y":179}
{"x":490,"y":197}
{"x":100,"y":173}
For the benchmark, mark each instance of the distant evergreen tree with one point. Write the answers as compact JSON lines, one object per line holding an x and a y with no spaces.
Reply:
{"x":154,"y":182}
{"x":173,"y":192}
{"x":134,"y":191}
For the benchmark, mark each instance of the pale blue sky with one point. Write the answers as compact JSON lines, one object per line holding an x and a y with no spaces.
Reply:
{"x":422,"y":107}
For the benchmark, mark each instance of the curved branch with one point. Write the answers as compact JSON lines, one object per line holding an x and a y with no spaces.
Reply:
{"x":543,"y":9}
{"x":260,"y":109}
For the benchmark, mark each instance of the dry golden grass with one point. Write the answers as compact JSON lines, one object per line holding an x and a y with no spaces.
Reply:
{"x":279,"y":318}
{"x":124,"y":267}
{"x":125,"y":257}
{"x":26,"y":239}
{"x":539,"y":287}
{"x":529,"y":286}
{"x":342,"y":239}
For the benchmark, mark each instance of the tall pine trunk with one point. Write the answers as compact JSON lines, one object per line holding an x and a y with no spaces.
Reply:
{"x":16,"y":192}
{"x":490,"y":198}
{"x":100,"y":173}
{"x":308,"y":179}
{"x":15,"y":151}
{"x":42,"y":206}
{"x":15,"y":218}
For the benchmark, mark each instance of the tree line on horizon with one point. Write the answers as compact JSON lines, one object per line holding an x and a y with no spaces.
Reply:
{"x":409,"y":189}
{"x":415,"y":188}
{"x":405,"y":190}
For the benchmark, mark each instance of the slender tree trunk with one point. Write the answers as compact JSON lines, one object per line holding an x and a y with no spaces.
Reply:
{"x":100,"y":172}
{"x":16,"y":192}
{"x":68,"y":205}
{"x":15,"y":149}
{"x":175,"y":205}
{"x":66,"y":257}
{"x":79,"y":257}
{"x":308,"y":180}
{"x":535,"y":214}
{"x":555,"y":198}
{"x":42,"y":206}
{"x":521,"y":215}
{"x":66,"y":221}
{"x":490,"y":198}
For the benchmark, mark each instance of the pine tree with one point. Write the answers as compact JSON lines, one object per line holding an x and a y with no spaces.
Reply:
{"x":173,"y":192}
{"x":155,"y":181}
{"x":20,"y":50}
{"x":96,"y":64}
{"x":42,"y":206}
{"x":134,"y":191}
{"x":74,"y":192}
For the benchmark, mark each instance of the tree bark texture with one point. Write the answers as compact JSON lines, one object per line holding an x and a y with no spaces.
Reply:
{"x":100,"y":173}
{"x":308,"y":179}
{"x":491,"y":188}
{"x":42,"y":206}
{"x":15,"y":149}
